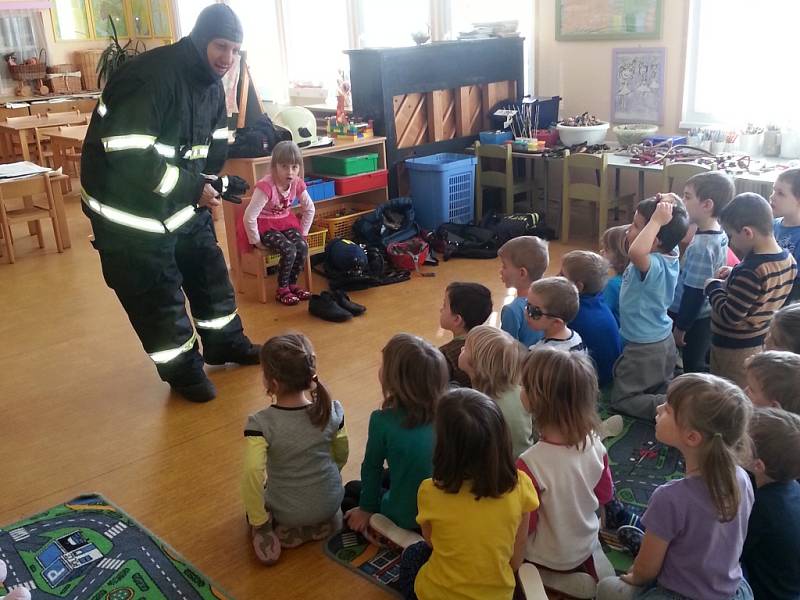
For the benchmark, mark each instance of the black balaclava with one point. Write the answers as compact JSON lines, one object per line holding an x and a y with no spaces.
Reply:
{"x":215,"y":21}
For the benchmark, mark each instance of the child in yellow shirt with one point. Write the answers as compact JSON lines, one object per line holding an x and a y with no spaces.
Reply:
{"x":473,"y":512}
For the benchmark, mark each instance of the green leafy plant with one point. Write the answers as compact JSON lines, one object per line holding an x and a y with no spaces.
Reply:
{"x":115,"y":55}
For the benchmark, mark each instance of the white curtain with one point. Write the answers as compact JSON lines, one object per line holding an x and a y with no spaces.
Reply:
{"x":21,"y":32}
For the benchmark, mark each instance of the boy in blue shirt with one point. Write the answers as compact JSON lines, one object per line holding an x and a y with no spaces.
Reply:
{"x":705,"y":196}
{"x":771,"y":553}
{"x":785,"y":201}
{"x":647,"y":363}
{"x":595,"y":322}
{"x":523,"y":260}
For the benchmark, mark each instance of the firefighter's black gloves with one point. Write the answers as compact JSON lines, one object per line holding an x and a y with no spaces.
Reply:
{"x":230,"y":187}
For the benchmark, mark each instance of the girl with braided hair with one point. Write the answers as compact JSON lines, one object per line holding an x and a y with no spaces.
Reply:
{"x":300,"y":443}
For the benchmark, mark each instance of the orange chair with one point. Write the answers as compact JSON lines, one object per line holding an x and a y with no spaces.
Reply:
{"x":251,"y":267}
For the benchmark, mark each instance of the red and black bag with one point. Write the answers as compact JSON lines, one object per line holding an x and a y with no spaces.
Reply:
{"x":409,"y":255}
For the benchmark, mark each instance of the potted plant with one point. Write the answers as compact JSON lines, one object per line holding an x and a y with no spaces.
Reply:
{"x":115,"y":55}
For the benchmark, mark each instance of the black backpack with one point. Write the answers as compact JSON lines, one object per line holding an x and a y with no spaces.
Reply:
{"x":465,"y":241}
{"x":507,"y":227}
{"x":388,"y":223}
{"x":350,"y":267}
{"x":258,"y":140}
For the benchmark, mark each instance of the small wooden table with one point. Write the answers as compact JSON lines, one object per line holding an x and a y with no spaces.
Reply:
{"x":23,"y":129}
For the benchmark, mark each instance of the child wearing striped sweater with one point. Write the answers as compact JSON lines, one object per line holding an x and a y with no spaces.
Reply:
{"x":744,"y":299}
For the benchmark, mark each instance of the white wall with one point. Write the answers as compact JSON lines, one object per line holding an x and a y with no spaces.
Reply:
{"x":580,"y":72}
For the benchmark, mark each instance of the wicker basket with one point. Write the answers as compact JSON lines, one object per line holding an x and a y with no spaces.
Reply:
{"x":64,"y":83}
{"x":339,"y":219}
{"x":316,"y":244}
{"x":30,"y":72}
{"x":87,"y":64}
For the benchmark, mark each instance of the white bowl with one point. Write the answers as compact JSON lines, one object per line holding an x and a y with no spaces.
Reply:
{"x":589,"y":135}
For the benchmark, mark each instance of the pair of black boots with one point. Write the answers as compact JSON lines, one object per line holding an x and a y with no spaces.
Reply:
{"x":334,"y":306}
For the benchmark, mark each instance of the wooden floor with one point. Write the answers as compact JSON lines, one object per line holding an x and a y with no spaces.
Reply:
{"x":84,"y":411}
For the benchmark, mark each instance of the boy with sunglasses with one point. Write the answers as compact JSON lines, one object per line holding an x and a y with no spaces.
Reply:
{"x":647,"y":363}
{"x":552,"y":303}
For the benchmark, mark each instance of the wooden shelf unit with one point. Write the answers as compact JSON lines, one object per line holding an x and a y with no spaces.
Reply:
{"x":253,"y":169}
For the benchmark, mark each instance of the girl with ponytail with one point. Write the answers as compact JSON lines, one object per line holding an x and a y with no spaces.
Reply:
{"x":299,"y":442}
{"x":696,"y":525}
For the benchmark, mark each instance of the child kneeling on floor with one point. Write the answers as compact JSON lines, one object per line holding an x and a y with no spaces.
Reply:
{"x":270,"y":223}
{"x":473,"y":512}
{"x":301,"y":444}
{"x":696,"y":526}
{"x":569,"y":468}
{"x":647,"y":362}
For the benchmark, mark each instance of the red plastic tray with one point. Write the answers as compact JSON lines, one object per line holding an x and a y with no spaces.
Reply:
{"x":361,"y":183}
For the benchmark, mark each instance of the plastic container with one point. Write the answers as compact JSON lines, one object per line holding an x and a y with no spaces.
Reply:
{"x":320,"y":189}
{"x":548,"y":111}
{"x":361,"y":183}
{"x":495,"y":137}
{"x":442,"y":188}
{"x":589,"y":134}
{"x":338,"y":220}
{"x":344,"y":164}
{"x":677,"y":140}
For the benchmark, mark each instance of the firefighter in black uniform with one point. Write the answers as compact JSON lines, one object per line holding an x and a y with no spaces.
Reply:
{"x":158,"y":132}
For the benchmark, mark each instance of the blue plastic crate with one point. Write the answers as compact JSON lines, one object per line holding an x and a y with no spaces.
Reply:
{"x":495,"y":137}
{"x":320,"y":189}
{"x":442,"y":188}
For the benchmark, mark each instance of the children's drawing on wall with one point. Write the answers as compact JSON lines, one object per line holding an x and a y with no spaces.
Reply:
{"x":637,"y":85}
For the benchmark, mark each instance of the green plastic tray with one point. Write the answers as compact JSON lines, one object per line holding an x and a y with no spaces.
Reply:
{"x":344,"y":164}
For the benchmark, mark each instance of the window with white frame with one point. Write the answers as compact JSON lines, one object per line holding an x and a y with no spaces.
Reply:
{"x":316,"y":38}
{"x":21,"y":33}
{"x":740,"y":63}
{"x":463,"y":14}
{"x":302,"y":42}
{"x":388,"y":23}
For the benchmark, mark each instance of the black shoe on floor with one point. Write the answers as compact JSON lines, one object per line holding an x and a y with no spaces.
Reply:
{"x":343,"y":300}
{"x":325,"y":307}
{"x":242,"y":353}
{"x":202,"y":391}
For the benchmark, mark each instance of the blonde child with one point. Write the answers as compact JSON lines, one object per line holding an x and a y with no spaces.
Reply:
{"x":614,"y":248}
{"x":552,"y":303}
{"x":523,"y":260}
{"x":271,"y":224}
{"x":474,"y":511}
{"x":784,"y":331}
{"x":465,"y":306}
{"x":696,"y":526}
{"x":491,"y":358}
{"x":785,"y":202}
{"x":568,"y":467}
{"x":744,"y":299}
{"x":413,"y":376}
{"x":300,"y":442}
{"x":773,"y":380}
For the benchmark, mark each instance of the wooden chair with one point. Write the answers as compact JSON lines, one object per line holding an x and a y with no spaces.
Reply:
{"x":16,"y":148}
{"x":680,"y":172}
{"x":594,"y":193}
{"x":503,"y":179}
{"x":19,"y":189}
{"x":60,"y":114}
{"x":43,"y":146}
{"x":251,"y":267}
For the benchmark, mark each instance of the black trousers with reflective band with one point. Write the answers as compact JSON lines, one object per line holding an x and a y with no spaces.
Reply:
{"x":153,"y":275}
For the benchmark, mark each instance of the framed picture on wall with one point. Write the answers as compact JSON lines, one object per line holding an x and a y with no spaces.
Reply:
{"x":637,"y":85}
{"x":578,"y":20}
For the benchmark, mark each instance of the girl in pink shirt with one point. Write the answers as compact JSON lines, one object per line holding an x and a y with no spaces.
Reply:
{"x":270,"y":223}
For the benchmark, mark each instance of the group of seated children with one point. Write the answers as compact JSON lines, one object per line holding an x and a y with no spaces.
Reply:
{"x":485,"y":460}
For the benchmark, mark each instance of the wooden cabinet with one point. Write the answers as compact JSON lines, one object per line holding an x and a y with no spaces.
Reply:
{"x":433,"y":98}
{"x":88,"y":19}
